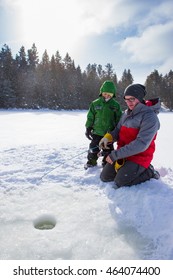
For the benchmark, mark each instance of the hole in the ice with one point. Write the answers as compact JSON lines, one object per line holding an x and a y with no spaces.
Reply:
{"x":45,"y":222}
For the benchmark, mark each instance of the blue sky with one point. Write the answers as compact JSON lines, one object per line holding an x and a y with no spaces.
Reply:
{"x":129,"y":34}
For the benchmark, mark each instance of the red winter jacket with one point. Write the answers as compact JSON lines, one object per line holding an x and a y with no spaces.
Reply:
{"x":136,"y":133}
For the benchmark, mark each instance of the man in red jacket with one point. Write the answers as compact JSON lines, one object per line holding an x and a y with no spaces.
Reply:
{"x":135,"y":135}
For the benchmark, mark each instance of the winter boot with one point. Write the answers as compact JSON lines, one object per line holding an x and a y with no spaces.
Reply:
{"x":92,"y":160}
{"x":90,"y":163}
{"x":155,"y":174}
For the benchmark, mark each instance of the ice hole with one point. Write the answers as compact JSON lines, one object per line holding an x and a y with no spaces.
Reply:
{"x":45,"y":222}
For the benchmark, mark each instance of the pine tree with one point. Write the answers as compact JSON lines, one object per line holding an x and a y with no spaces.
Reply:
{"x":154,"y":84}
{"x":125,"y":80}
{"x":8,"y":78}
{"x":168,"y":92}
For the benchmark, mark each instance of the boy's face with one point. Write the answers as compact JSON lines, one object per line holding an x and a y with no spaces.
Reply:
{"x":107,"y":95}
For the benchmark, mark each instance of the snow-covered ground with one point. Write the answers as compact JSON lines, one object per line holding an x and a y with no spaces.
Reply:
{"x":92,"y":220}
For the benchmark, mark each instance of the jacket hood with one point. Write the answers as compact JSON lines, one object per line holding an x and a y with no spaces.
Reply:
{"x":108,"y":86}
{"x":155,"y":104}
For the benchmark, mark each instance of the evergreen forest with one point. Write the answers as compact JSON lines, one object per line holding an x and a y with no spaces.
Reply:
{"x":56,"y":83}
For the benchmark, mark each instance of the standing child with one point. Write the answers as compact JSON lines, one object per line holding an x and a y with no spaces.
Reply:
{"x":103,"y":115}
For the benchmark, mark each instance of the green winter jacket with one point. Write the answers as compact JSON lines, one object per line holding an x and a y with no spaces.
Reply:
{"x":103,"y":116}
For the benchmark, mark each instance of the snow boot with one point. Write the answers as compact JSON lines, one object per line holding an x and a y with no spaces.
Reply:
{"x":90,"y":163}
{"x":155,"y":174}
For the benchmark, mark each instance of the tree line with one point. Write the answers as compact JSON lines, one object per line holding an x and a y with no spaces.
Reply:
{"x":56,"y":83}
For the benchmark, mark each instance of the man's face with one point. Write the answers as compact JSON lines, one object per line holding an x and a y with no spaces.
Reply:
{"x":131,"y":101}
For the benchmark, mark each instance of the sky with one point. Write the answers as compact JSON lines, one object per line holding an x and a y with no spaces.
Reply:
{"x":129,"y":34}
{"x":43,"y":181}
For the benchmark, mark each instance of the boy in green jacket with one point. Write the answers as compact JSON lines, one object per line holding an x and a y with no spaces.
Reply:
{"x":103,"y":115}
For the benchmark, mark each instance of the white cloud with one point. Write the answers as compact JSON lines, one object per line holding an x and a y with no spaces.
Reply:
{"x":80,"y":27}
{"x":166,"y":66}
{"x":153,"y":46}
{"x":63,"y":24}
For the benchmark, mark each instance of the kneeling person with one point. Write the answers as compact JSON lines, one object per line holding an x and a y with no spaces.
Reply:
{"x":135,"y":135}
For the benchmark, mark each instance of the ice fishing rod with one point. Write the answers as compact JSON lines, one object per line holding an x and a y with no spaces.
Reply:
{"x":60,"y":164}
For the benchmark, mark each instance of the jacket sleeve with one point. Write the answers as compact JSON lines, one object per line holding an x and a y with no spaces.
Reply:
{"x":90,"y":116}
{"x":149,"y":127}
{"x":115,"y":133}
{"x":118,"y":112}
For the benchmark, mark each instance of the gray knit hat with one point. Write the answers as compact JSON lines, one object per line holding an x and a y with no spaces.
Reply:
{"x":136,"y":90}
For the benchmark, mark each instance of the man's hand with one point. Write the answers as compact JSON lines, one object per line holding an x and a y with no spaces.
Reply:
{"x":103,"y":143}
{"x":109,"y":160}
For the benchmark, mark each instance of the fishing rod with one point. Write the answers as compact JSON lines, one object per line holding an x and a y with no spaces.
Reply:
{"x":60,"y":164}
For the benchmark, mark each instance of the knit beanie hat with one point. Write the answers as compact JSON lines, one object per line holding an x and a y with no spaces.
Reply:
{"x":108,"y":86}
{"x":136,"y":90}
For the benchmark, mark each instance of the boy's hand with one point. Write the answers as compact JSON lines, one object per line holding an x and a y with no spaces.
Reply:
{"x":88,"y":133}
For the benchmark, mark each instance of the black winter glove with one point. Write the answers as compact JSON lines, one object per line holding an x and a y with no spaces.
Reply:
{"x":88,"y":133}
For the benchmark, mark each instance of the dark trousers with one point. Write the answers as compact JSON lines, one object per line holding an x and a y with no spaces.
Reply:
{"x":129,"y":174}
{"x":94,"y":148}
